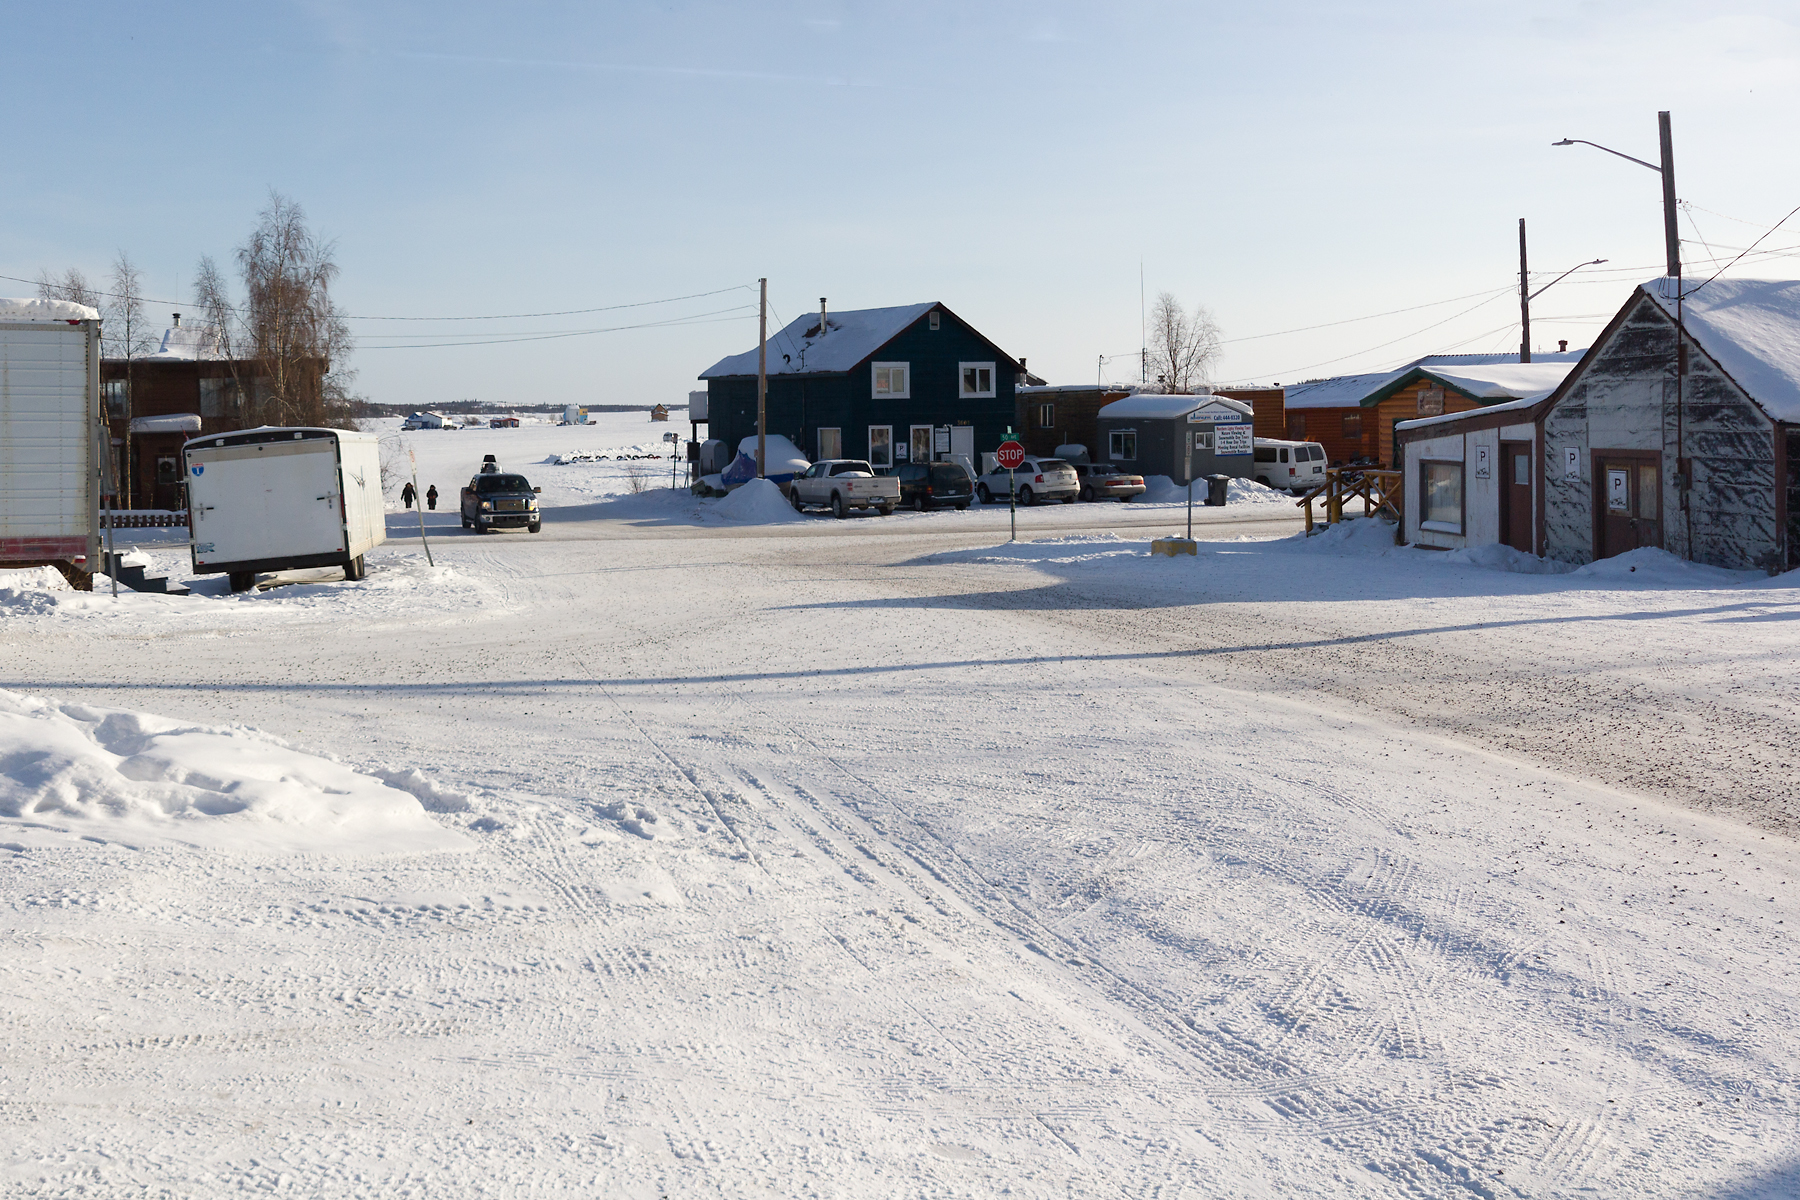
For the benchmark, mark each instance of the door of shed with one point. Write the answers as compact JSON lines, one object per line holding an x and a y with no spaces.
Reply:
{"x":1627,"y":501}
{"x":1515,"y":495}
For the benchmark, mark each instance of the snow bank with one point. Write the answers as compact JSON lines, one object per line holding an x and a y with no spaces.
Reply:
{"x":46,"y":310}
{"x":1659,"y":568}
{"x":1361,"y":535}
{"x":130,"y":777}
{"x":1505,"y":558}
{"x":1160,"y":489}
{"x":758,"y":502}
{"x":780,"y":456}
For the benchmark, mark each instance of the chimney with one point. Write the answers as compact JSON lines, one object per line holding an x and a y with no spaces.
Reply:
{"x":1562,"y":346}
{"x":178,"y":320}
{"x":821,"y":316}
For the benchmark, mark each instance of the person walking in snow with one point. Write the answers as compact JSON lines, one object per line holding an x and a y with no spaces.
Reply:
{"x":431,"y":497}
{"x":407,"y":494}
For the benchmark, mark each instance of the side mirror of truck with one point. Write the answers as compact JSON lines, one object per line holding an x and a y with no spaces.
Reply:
{"x":539,"y":491}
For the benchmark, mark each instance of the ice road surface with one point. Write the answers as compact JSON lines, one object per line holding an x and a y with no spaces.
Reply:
{"x":880,"y":858}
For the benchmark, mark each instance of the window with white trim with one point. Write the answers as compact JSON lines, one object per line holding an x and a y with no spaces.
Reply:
{"x":881,"y":445}
{"x":1122,"y":445}
{"x":1046,"y":416}
{"x":1203,"y":439}
{"x":977,"y":379}
{"x":1441,"y":485}
{"x":892,"y":380}
{"x":831,"y":442}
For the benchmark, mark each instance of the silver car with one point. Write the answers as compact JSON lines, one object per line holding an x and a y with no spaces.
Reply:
{"x":1038,"y":479}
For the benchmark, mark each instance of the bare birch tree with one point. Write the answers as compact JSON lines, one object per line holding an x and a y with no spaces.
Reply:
{"x":71,"y":285}
{"x":290,"y":327}
{"x":1183,"y":345}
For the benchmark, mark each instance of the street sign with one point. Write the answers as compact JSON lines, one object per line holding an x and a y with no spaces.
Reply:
{"x":1010,"y":456}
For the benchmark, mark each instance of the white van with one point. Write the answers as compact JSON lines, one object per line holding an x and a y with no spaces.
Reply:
{"x":1293,"y":466}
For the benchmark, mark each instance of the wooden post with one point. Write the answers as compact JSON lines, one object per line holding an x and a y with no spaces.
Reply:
{"x":762,"y":376}
{"x":1524,"y":300}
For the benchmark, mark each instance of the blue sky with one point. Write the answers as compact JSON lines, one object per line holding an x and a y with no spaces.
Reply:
{"x":1288,"y":165}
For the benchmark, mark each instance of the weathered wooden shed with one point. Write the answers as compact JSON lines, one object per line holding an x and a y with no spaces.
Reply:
{"x":1680,"y":429}
{"x":1183,"y":437}
{"x":887,"y":385}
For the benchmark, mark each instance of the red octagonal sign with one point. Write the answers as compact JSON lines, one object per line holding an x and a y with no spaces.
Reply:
{"x":1010,"y":456}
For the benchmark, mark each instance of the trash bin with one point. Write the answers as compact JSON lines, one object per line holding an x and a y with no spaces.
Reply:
{"x":1215,"y":489}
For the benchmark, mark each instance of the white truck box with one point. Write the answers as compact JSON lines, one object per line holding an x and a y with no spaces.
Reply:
{"x":276,"y":499}
{"x":49,"y":436}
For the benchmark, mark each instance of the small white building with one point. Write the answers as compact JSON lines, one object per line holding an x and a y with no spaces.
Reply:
{"x":1472,"y":478}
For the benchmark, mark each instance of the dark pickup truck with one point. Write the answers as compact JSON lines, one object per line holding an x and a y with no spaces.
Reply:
{"x":496,"y":500}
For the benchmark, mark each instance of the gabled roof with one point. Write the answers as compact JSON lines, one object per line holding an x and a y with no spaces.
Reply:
{"x":1143,"y":407}
{"x":1345,"y":391}
{"x":850,"y":337}
{"x":1751,"y":328}
{"x":1484,"y":385}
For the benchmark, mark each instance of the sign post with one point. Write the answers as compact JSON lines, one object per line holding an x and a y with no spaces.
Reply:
{"x":414,"y":460}
{"x":1011,"y":455}
{"x":674,"y":440}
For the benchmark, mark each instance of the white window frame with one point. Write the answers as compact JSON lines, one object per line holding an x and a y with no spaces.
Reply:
{"x":881,"y":384}
{"x":837,"y":435}
{"x":873,"y":460}
{"x":962,"y":384}
{"x":1203,"y":439}
{"x":1047,"y":414}
{"x":913,"y":443}
{"x":1114,"y":445}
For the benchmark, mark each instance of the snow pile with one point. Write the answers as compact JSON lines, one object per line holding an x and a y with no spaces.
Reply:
{"x":758,"y":502}
{"x":129,"y":777}
{"x":781,"y":458}
{"x":1359,"y":535}
{"x":1505,"y":558}
{"x":46,"y":310}
{"x":1659,"y":568}
{"x":1160,"y":489}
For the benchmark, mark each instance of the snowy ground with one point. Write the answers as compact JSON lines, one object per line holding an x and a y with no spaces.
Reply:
{"x":879,"y":857}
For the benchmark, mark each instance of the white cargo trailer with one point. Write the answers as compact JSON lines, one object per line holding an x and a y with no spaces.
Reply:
{"x":274,"y":499}
{"x":49,"y":437}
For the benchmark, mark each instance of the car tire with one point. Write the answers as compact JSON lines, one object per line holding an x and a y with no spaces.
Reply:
{"x":535,"y":526}
{"x":355,"y":571}
{"x":919,"y":502}
{"x":837,"y":507}
{"x":1026,"y":498}
{"x":1087,"y":495}
{"x":241,"y":581}
{"x":1068,"y":499}
{"x":887,"y":510}
{"x":982,"y":494}
{"x":963,"y":507}
{"x":794,"y":499}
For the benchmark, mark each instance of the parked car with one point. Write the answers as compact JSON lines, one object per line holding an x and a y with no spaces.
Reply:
{"x":1295,"y":466}
{"x":842,"y":484}
{"x":500,"y":500}
{"x":1103,"y":481}
{"x":933,"y":485}
{"x":1038,"y":479}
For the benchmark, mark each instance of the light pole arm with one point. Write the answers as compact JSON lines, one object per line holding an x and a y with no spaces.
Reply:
{"x":1564,"y":276}
{"x":1596,"y":145}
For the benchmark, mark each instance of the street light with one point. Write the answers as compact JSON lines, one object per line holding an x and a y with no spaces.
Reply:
{"x":1526,"y":295}
{"x":1671,"y":236}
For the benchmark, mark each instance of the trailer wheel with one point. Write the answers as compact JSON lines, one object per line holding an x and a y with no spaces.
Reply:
{"x":355,"y":571}
{"x":241,"y":581}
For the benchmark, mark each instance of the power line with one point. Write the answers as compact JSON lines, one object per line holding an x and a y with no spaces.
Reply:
{"x":696,"y":319}
{"x":1371,"y":317}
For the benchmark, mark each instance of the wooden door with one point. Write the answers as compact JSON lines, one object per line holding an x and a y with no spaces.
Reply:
{"x":1627,"y":501}
{"x":1515,"y":495}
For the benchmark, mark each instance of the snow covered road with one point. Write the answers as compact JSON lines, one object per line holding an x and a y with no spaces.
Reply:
{"x":893,"y":865}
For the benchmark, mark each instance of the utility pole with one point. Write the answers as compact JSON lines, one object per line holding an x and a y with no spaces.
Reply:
{"x":762,"y":376}
{"x":1524,"y":300}
{"x":1671,"y":235}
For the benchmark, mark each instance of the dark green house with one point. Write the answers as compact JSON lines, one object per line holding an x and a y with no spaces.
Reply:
{"x":885,"y":384}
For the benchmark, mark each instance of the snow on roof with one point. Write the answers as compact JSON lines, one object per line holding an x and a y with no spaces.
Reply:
{"x":1345,"y":391}
{"x":185,"y":343}
{"x":850,"y":336}
{"x":1510,"y":356}
{"x":1507,"y":379}
{"x":1150,"y":408}
{"x":46,"y":310}
{"x":1033,"y":389}
{"x":1751,"y":328}
{"x":1507,"y":406}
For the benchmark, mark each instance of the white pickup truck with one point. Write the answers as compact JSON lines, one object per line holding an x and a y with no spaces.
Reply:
{"x":842,"y":484}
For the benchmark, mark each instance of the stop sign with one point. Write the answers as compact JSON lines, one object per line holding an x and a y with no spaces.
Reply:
{"x":1010,"y":456}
